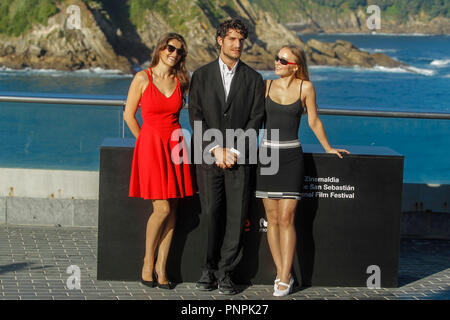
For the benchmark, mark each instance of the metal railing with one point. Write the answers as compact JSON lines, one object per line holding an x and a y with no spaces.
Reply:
{"x":324,"y":111}
{"x":78,"y":101}
{"x":71,"y":101}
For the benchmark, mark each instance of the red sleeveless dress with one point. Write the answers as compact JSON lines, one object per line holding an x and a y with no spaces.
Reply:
{"x":160,"y":168}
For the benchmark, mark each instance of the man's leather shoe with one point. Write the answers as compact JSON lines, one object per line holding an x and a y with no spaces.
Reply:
{"x":226,"y":286}
{"x":206,"y":282}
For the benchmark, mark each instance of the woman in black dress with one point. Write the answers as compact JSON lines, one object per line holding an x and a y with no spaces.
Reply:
{"x":286,"y":98}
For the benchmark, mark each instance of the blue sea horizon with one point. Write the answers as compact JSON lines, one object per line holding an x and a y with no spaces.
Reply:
{"x":44,"y":136}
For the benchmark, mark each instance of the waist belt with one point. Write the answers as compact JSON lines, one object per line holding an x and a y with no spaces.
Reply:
{"x":281,"y":144}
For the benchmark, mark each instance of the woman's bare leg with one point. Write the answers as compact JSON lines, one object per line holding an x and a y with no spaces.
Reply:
{"x":155,"y":223}
{"x":166,"y":240}
{"x":273,"y":234}
{"x":286,"y":214}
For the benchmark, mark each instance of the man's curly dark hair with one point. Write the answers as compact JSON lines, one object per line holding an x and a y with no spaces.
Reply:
{"x":235,"y":24}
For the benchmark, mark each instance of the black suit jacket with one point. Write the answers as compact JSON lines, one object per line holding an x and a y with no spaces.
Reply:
{"x":243,"y":109}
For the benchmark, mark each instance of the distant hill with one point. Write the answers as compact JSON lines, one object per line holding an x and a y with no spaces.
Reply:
{"x":122,"y":34}
{"x":405,"y":16}
{"x":397,"y":16}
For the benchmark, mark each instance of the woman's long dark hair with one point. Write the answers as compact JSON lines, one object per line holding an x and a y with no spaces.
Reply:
{"x":179,"y":69}
{"x":300,"y":57}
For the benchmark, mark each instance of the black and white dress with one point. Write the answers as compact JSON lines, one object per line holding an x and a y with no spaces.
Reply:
{"x":286,"y":182}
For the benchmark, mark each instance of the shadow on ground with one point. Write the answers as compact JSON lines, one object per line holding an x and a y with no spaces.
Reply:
{"x":20,"y":266}
{"x":422,"y":258}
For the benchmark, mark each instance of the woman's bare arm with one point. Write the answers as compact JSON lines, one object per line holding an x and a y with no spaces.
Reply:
{"x":135,"y":91}
{"x":314,"y":121}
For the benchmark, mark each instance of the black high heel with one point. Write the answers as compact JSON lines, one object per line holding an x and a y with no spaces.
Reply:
{"x":166,"y":286}
{"x":150,"y":284}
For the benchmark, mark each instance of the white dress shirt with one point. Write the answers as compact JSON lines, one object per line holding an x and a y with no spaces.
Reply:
{"x":227,"y":76}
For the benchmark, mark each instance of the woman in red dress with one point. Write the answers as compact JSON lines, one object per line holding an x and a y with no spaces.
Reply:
{"x":160,"y":170}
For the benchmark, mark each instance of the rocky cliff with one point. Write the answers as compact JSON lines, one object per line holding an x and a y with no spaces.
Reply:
{"x":55,"y":46}
{"x":110,"y":39}
{"x":350,"y":16}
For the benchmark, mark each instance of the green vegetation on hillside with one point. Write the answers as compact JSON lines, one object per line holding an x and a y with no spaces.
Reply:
{"x":18,"y":16}
{"x":395,"y":9}
{"x":138,"y":9}
{"x":177,"y":13}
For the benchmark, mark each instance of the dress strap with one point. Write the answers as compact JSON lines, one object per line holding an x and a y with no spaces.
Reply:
{"x":149,"y":75}
{"x":270,"y":84}
{"x":301,"y":86}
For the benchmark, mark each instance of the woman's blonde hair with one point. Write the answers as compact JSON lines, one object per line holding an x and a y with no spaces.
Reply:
{"x":300,"y":58}
{"x":180,"y":69}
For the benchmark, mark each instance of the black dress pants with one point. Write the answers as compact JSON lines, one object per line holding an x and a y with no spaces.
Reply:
{"x":219,"y":188}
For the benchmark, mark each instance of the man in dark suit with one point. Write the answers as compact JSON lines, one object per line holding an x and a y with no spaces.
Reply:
{"x":225,"y":94}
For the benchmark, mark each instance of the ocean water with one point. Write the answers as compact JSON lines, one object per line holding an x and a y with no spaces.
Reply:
{"x":68,"y":136}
